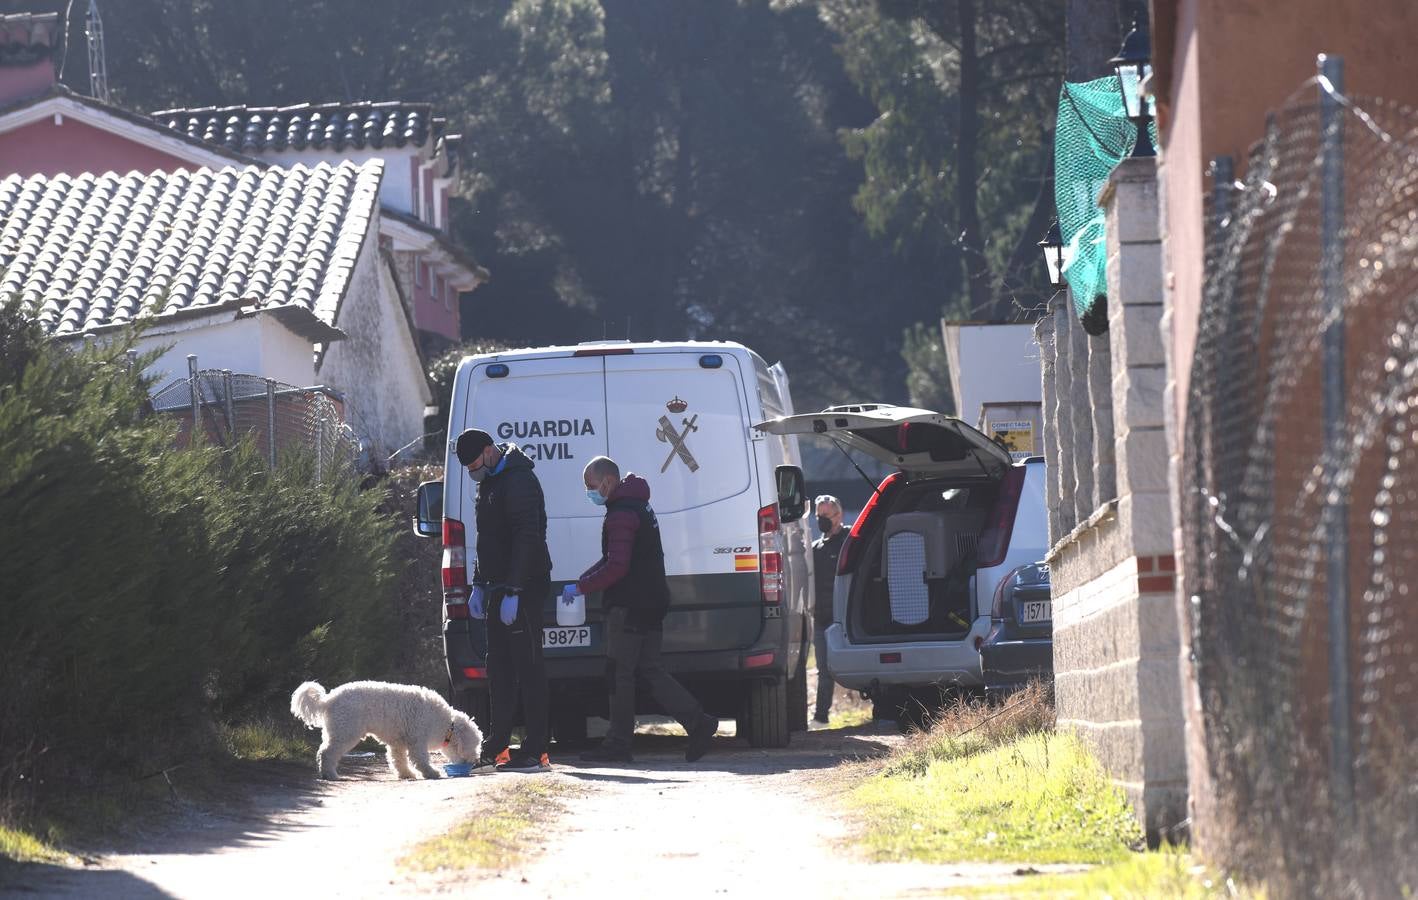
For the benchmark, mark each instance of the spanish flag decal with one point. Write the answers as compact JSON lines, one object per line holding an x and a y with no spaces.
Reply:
{"x":745,"y":562}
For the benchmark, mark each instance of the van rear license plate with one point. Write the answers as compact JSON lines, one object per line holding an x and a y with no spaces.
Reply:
{"x":580,"y":636}
{"x":1033,"y":611}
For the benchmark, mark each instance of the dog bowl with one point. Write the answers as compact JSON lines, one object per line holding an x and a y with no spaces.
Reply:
{"x":455,"y":770}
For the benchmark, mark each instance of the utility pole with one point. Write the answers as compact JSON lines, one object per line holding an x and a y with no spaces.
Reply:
{"x":98,"y":61}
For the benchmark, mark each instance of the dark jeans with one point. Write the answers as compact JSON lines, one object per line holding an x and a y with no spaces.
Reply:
{"x":515,"y":668}
{"x":825,"y":684}
{"x":630,"y":652}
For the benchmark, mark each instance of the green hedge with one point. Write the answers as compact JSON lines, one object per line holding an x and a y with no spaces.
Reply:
{"x":146,"y":591}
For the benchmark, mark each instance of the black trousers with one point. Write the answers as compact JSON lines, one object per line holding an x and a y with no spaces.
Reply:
{"x":515,"y":671}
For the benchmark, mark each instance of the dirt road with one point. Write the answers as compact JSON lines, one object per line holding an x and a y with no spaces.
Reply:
{"x":739,"y":821}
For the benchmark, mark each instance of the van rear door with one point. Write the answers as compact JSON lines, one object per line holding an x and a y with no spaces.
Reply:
{"x":680,"y":420}
{"x":554,"y":410}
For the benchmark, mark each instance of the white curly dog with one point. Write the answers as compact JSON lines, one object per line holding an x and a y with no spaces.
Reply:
{"x":409,"y":720}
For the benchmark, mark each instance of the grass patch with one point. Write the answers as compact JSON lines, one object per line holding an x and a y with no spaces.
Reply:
{"x":1162,"y":873}
{"x":21,"y":846}
{"x":264,"y":740}
{"x":993,"y":784}
{"x":495,"y":838}
{"x":850,"y":718}
{"x":1039,"y":798}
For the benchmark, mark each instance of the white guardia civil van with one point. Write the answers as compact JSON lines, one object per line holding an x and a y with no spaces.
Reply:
{"x":730,"y":502}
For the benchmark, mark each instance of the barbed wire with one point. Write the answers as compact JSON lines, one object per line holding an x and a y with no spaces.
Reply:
{"x":1286,"y":499}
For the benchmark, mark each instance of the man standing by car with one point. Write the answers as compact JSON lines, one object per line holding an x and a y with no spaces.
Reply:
{"x":511,"y":577}
{"x":636,"y":597}
{"x":825,"y":551}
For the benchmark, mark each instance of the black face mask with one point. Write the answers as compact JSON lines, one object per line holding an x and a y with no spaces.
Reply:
{"x":824,"y":524}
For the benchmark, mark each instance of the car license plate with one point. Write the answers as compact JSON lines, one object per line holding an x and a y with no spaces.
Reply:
{"x":580,"y":636}
{"x":1036,"y":611}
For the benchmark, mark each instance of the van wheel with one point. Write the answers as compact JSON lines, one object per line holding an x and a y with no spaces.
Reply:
{"x":477,"y":704}
{"x":797,"y":696}
{"x":766,"y":714}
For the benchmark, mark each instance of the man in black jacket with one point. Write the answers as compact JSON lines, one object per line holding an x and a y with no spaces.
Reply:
{"x":825,"y":551}
{"x":636,"y":597}
{"x":511,"y":579}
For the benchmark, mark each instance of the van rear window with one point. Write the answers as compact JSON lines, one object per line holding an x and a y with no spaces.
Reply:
{"x":554,"y":411}
{"x":943,"y":445}
{"x":682,"y":427}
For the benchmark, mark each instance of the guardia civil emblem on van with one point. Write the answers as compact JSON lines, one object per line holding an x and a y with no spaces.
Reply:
{"x":667,"y":433}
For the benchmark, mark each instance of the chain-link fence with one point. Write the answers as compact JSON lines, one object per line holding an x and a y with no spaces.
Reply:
{"x":1300,"y":500}
{"x":276,"y":417}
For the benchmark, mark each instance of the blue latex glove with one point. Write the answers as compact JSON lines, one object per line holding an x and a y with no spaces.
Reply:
{"x":477,"y":603}
{"x":509,"y":609}
{"x":567,"y":593}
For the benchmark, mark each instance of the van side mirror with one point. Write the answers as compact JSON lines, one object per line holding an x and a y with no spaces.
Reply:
{"x":429,"y":521}
{"x":792,"y":493}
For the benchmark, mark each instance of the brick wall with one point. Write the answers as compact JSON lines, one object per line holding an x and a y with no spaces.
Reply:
{"x":1117,"y":644}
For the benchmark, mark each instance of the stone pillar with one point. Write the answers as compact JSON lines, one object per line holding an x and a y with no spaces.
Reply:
{"x":1081,"y":495}
{"x":1144,"y":502}
{"x":1100,"y":405}
{"x":1063,"y":462}
{"x":1049,"y":449}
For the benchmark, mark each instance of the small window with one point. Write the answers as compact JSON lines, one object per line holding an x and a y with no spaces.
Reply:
{"x":419,"y":278}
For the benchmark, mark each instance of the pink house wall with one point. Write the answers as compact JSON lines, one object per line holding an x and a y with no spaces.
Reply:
{"x":43,"y":148}
{"x":431,"y":312}
{"x":19,"y":82}
{"x":427,"y":212}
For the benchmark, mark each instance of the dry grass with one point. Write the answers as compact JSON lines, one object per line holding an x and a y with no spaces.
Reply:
{"x":1141,"y":876}
{"x":497,"y":837}
{"x":266,"y":739}
{"x":22,"y":846}
{"x":964,"y":727}
{"x":991,"y":783}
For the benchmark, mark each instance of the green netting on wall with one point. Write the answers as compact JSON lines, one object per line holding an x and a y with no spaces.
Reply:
{"x":1092,"y":137}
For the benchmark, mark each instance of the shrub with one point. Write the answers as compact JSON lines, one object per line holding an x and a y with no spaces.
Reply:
{"x":147,"y":590}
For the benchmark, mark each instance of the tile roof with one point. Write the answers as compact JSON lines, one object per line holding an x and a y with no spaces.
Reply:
{"x":334,"y":126}
{"x":26,"y":37}
{"x":89,"y":251}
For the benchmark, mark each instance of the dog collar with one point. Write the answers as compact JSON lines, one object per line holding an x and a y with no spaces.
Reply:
{"x":448,"y":738}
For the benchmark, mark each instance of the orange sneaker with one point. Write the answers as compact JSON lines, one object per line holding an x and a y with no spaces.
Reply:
{"x":526,"y":763}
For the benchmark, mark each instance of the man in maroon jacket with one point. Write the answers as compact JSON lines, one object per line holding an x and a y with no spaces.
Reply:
{"x":636,"y":597}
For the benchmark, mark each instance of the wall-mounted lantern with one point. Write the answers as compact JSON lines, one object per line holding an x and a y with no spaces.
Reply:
{"x":1053,"y":248}
{"x":1133,"y":64}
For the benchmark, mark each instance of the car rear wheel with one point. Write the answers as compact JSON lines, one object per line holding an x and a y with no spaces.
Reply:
{"x":477,"y":704}
{"x":765,"y":718}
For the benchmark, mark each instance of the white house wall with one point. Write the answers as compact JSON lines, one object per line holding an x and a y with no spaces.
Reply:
{"x":396,"y":189}
{"x":992,"y":364}
{"x":255,"y":345}
{"x":377,"y":367}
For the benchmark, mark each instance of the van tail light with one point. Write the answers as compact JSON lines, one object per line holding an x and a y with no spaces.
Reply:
{"x":994,"y":540}
{"x":455,"y":570}
{"x":770,"y":554}
{"x":851,"y":551}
